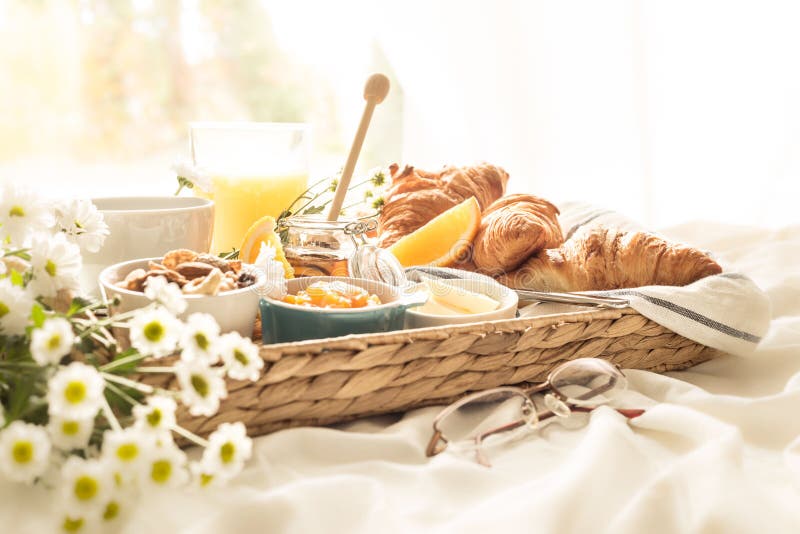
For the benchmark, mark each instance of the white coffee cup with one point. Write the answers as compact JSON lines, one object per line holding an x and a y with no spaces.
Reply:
{"x":146,"y":227}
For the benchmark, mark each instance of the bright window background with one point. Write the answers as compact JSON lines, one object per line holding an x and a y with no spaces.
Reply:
{"x":673,"y":111}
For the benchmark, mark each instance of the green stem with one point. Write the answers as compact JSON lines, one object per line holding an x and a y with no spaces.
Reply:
{"x":191,"y":436}
{"x":155,"y":369}
{"x":304,"y":193}
{"x":122,"y":361}
{"x":178,"y":191}
{"x":142,"y":388}
{"x":351,"y":188}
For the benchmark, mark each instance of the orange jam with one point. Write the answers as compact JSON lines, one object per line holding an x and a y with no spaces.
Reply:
{"x":333,"y":295}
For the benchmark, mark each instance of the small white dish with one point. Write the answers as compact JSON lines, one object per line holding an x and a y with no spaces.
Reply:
{"x":234,"y":310}
{"x":142,"y":227}
{"x":507,"y":309}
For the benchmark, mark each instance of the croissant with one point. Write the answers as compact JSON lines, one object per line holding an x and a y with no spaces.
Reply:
{"x":417,"y":196}
{"x":512,"y":229}
{"x":599,"y":258}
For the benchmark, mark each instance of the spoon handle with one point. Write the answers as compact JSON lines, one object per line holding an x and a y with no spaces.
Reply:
{"x":375,"y":90}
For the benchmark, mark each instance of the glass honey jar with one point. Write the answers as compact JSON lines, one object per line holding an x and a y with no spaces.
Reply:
{"x":318,"y":247}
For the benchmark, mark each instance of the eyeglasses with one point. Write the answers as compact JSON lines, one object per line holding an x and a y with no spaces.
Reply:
{"x":489,"y":418}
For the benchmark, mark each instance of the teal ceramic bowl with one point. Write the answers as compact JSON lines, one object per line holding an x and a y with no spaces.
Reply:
{"x":282,"y":322}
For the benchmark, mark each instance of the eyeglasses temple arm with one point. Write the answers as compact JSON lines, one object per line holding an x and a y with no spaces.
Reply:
{"x":437,"y":444}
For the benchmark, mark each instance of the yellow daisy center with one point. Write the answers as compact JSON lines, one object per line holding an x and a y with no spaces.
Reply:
{"x":227,"y":452}
{"x":154,"y":417}
{"x":70,"y":428}
{"x":54,"y":342}
{"x":241,"y":357}
{"x":16,"y":211}
{"x":72,"y":525}
{"x":205,"y":479}
{"x":111,"y":511}
{"x":50,"y":267}
{"x":127,"y":452}
{"x":22,"y":452}
{"x":161,"y":471}
{"x":4,"y":309}
{"x":154,"y":331}
{"x":86,"y":488}
{"x":200,"y":385}
{"x":201,"y":340}
{"x":75,"y":392}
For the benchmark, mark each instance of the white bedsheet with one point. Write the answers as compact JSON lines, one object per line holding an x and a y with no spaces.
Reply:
{"x":717,"y":451}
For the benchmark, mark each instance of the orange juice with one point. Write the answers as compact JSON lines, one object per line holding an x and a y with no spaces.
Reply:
{"x":239,"y":201}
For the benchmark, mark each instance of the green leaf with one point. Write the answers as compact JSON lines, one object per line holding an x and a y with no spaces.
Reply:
{"x":78,"y":303}
{"x":38,"y":316}
{"x":313,"y":210}
{"x":232,"y":255}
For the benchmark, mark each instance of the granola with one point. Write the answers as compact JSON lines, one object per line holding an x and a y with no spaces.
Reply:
{"x":194,"y":273}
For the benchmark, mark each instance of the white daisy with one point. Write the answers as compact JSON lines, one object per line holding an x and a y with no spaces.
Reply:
{"x":117,"y":507}
{"x":165,"y":467}
{"x":56,"y":264}
{"x":168,"y":294}
{"x":16,"y":304}
{"x":200,"y":338}
{"x":69,"y":433}
{"x":202,"y":387}
{"x":205,"y":476}
{"x":155,"y":331}
{"x":52,"y":341}
{"x":24,"y":451}
{"x":274,"y":274}
{"x":86,"y":484}
{"x":22,"y":214}
{"x":75,"y":391}
{"x":198,"y":176}
{"x":240,"y":354}
{"x":82,"y":223}
{"x":228,"y":449}
{"x":127,"y":449}
{"x":157,"y":416}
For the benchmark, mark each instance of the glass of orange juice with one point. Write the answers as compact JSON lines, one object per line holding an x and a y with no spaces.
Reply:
{"x":255,"y":169}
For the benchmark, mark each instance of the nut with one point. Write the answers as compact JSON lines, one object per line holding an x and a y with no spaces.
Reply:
{"x":173,"y":258}
{"x":153,"y":265}
{"x":210,"y":259}
{"x":170,"y":275}
{"x":208,"y":285}
{"x":134,"y":280}
{"x":194,"y":269}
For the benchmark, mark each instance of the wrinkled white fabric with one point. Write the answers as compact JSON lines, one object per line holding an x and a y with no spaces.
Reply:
{"x":717,"y":451}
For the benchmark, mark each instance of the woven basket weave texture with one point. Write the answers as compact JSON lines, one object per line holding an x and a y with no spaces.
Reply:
{"x":330,"y":381}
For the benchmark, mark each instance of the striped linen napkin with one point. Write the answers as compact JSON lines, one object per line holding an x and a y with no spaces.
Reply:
{"x":728,"y":312}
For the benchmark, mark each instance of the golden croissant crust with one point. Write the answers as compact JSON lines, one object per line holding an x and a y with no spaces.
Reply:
{"x":417,"y":196}
{"x":512,"y":229}
{"x":600,"y":258}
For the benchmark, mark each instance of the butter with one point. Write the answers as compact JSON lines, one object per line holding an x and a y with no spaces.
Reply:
{"x":446,"y":299}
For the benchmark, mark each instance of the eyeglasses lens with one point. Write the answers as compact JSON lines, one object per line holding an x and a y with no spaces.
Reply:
{"x":483,"y":414}
{"x":588,"y":381}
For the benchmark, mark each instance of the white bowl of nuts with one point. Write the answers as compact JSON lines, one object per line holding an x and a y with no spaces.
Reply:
{"x":226,"y":289}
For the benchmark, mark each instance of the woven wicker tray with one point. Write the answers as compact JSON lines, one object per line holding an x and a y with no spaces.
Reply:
{"x":334,"y":380}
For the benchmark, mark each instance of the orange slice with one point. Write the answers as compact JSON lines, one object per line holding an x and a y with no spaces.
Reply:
{"x":443,"y":239}
{"x":263,"y":231}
